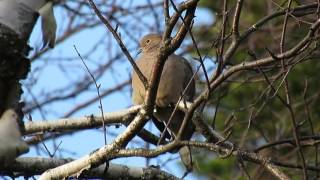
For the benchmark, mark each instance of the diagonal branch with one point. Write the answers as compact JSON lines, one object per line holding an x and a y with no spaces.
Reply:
{"x":119,"y":41}
{"x":109,"y":151}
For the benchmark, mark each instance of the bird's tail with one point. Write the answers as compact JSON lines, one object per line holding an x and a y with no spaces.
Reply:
{"x":163,"y":114}
{"x":186,"y":157}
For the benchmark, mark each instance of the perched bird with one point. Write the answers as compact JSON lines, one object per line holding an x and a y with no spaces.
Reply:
{"x":175,"y":77}
{"x":11,"y":144}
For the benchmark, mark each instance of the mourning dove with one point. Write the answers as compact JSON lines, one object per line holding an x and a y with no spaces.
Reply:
{"x":11,"y":144}
{"x":175,"y":77}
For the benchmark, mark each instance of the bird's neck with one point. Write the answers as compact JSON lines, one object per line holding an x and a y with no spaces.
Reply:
{"x":153,"y":49}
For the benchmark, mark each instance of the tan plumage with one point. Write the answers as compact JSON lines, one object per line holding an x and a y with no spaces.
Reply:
{"x":176,"y":74}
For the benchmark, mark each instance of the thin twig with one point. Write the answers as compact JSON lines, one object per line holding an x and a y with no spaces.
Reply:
{"x":307,"y":111}
{"x":98,"y":92}
{"x":121,"y":44}
{"x":295,"y":128}
{"x":315,"y":140}
{"x":195,"y":45}
{"x":220,"y":50}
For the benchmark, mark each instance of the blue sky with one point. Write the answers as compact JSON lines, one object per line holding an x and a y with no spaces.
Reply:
{"x":52,"y":76}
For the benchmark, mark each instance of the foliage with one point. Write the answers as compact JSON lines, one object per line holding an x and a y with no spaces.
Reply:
{"x":247,"y":106}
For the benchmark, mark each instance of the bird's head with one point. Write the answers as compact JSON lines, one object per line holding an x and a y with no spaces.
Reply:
{"x":150,"y":43}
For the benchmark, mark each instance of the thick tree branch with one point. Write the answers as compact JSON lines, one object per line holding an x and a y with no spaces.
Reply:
{"x":80,"y":123}
{"x":30,"y":166}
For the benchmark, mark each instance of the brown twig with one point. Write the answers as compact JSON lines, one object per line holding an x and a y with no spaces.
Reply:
{"x":307,"y":111}
{"x":119,"y":41}
{"x":295,"y":128}
{"x":98,"y":92}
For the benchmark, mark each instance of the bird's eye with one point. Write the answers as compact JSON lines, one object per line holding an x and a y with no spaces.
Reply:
{"x":148,"y":41}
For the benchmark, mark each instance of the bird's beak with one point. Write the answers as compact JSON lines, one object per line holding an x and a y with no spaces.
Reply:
{"x":139,"y":51}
